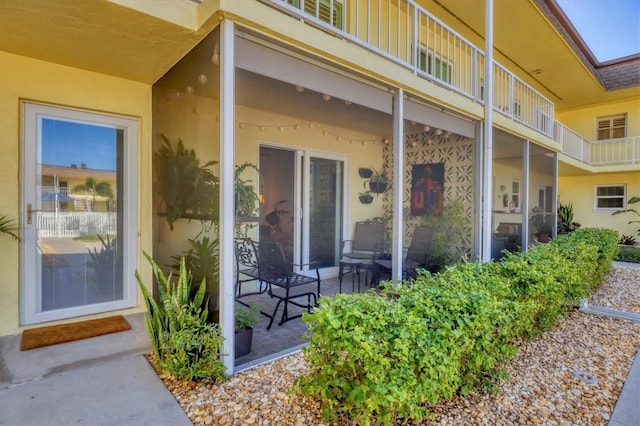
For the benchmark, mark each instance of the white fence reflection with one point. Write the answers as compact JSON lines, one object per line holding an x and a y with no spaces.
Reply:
{"x":75,"y":224}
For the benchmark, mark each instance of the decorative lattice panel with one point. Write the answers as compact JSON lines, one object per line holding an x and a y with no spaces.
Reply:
{"x":457,"y":154}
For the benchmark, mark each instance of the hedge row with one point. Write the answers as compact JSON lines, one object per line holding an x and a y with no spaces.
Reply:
{"x":380,"y":358}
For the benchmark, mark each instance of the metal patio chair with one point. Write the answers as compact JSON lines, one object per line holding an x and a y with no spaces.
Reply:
{"x":358,"y":254}
{"x":417,"y":256}
{"x":276,"y":271}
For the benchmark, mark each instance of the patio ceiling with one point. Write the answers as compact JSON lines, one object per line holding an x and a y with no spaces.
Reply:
{"x":101,"y":36}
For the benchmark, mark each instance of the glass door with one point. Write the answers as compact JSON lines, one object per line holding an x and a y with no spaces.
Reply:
{"x":304,"y":196}
{"x":325,"y":211}
{"x":79,"y":221}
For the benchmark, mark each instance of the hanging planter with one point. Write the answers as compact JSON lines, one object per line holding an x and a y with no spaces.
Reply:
{"x":377,"y":187}
{"x":365,"y":172}
{"x":377,"y":183}
{"x":365,"y":198}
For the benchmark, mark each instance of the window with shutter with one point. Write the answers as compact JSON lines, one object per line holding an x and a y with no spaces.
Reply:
{"x":322,"y":9}
{"x":613,"y":127}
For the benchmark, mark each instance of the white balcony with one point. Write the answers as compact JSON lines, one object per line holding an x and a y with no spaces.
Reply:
{"x":407,"y":34}
{"x":598,"y":153}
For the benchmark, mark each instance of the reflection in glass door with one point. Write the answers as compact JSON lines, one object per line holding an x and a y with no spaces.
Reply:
{"x":325,"y":211}
{"x":304,"y":204}
{"x":74,"y":192}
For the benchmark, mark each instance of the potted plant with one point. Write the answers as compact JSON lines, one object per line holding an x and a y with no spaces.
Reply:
{"x":246,"y":195}
{"x":378,"y":182}
{"x":538,"y":220}
{"x":365,"y":197}
{"x":449,"y":228}
{"x":245,"y":320}
{"x":183,"y":187}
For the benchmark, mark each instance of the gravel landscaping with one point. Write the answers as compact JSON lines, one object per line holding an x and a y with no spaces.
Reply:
{"x":571,"y":375}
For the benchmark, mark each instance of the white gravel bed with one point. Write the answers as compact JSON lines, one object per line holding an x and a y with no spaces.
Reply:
{"x":571,"y":375}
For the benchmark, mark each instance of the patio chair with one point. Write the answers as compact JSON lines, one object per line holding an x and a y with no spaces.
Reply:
{"x":417,"y":256}
{"x":358,"y":254}
{"x":246,"y":267}
{"x":276,"y":271}
{"x":498,"y":246}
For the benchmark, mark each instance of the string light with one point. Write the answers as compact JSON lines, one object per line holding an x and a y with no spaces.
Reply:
{"x":215,"y":58}
{"x":323,"y":131}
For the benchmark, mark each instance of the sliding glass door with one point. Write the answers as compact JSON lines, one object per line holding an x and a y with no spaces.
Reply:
{"x":304,"y":195}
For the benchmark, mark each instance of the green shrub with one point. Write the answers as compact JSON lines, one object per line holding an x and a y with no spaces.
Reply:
{"x":606,"y":241}
{"x":628,"y":254}
{"x":183,"y":342}
{"x":388,"y":357}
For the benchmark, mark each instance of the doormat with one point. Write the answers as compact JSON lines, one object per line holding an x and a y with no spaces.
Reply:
{"x":54,"y":334}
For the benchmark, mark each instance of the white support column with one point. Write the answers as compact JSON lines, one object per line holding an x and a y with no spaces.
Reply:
{"x":398,"y":179}
{"x":525,"y":195}
{"x":227,"y":151}
{"x":487,"y":190}
{"x":554,"y":204}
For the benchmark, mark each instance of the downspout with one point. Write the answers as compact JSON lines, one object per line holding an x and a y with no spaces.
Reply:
{"x":487,"y":192}
{"x":227,"y":207}
{"x":398,"y":179}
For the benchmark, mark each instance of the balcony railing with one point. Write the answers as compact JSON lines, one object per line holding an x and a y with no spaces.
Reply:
{"x":605,"y":152}
{"x":75,"y":224}
{"x":407,"y":34}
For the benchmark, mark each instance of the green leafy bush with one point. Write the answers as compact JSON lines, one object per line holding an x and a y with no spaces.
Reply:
{"x":183,"y":342}
{"x":388,"y":357}
{"x":628,"y":254}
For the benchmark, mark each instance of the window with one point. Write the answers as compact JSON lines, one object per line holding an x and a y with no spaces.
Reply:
{"x":442,"y":69}
{"x":514,"y":205}
{"x":321,"y":9}
{"x":613,"y":127}
{"x":610,"y":197}
{"x":517,"y":108}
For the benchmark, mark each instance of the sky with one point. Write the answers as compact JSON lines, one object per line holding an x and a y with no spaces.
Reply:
{"x":611,"y":28}
{"x":65,"y":143}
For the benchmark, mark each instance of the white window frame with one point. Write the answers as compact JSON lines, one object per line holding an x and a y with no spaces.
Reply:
{"x":610,"y":128}
{"x":609,"y":209}
{"x":429,"y":58}
{"x":339,"y":16}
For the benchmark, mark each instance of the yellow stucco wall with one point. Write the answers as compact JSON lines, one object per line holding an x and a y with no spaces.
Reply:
{"x":177,"y":120}
{"x":26,"y":78}
{"x":583,"y":120}
{"x":580,"y":190}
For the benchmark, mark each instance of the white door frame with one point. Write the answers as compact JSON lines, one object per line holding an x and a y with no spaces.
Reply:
{"x":301,"y":204}
{"x":30,"y":262}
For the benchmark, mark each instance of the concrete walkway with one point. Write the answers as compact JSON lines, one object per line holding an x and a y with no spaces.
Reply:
{"x":104,"y":380}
